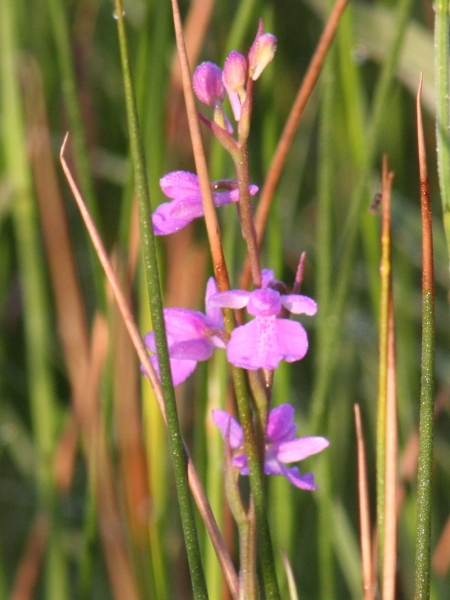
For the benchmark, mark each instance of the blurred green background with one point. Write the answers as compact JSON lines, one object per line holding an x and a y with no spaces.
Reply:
{"x":87,"y":506}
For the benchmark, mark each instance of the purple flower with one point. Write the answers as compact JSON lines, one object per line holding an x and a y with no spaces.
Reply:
{"x":191,"y":337}
{"x":267,"y":339}
{"x":186,"y":205}
{"x":282,"y":447}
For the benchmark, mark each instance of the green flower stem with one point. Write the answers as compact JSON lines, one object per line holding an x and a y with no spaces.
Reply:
{"x":156,"y":308}
{"x":262,"y":408}
{"x":247,"y":545}
{"x":256,"y":486}
{"x":423,"y":528}
{"x":441,"y":32}
{"x":246,"y":214}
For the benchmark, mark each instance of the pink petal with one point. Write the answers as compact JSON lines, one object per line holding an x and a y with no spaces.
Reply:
{"x":252,"y":190}
{"x":214,"y":313}
{"x":170,"y":217}
{"x":305,"y":482}
{"x":180,"y":369}
{"x":281,"y":423}
{"x":267,"y":276}
{"x":223,"y":198}
{"x":229,"y":427}
{"x":299,"y":304}
{"x":199,"y":349}
{"x":295,"y":450}
{"x":235,"y":102}
{"x":254,"y":345}
{"x":241,"y":463}
{"x":264,"y":303}
{"x":183,"y":324}
{"x":230,"y":299}
{"x":292,"y":341}
{"x":178,"y":184}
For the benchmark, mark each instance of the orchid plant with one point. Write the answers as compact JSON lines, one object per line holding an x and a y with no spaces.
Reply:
{"x":254,"y":347}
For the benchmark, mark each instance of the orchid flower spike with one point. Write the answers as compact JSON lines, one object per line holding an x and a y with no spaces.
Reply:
{"x":187,"y":204}
{"x":281,"y":446}
{"x":266,"y":340}
{"x":191,"y":336}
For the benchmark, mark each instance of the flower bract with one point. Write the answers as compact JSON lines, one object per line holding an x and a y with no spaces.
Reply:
{"x":281,"y":446}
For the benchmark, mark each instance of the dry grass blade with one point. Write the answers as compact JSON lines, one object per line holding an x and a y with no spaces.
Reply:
{"x":194,"y":481}
{"x":211,"y":221}
{"x":391,"y":468}
{"x":287,"y":136}
{"x":427,"y":240}
{"x":99,"y":460}
{"x":369,"y":583}
{"x":131,"y":453}
{"x":30,"y":564}
{"x":72,"y":324}
{"x":195,"y":28}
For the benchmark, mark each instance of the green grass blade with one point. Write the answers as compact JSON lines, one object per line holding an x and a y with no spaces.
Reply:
{"x":154,"y":293}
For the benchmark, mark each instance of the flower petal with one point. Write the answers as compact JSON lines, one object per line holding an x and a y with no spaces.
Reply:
{"x":230,"y":299}
{"x":304,"y":482}
{"x":180,"y":369}
{"x":267,"y":276}
{"x":200,"y":349}
{"x":223,"y":198}
{"x":183,"y":324}
{"x":170,"y":217}
{"x":213,"y":313}
{"x":298,"y":304}
{"x":292,"y":341}
{"x":252,"y":190}
{"x":229,"y":427}
{"x":241,"y":463}
{"x":178,"y":184}
{"x":300,"y":448}
{"x":254,"y":345}
{"x":264,"y":303}
{"x":281,"y":424}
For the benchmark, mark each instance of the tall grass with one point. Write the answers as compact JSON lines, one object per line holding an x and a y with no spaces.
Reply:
{"x":88,"y":507}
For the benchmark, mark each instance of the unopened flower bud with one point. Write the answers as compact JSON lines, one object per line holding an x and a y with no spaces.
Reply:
{"x":234,"y":77}
{"x":207,"y":84}
{"x":261,"y":53}
{"x":235,"y":71}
